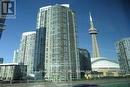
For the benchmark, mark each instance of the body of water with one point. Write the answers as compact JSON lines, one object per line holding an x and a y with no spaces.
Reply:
{"x":117,"y":85}
{"x":88,"y":83}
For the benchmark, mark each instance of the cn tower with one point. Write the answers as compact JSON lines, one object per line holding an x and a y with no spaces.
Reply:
{"x":93,"y":32}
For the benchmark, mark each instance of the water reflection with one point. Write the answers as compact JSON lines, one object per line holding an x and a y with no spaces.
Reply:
{"x":46,"y":85}
{"x":36,"y":85}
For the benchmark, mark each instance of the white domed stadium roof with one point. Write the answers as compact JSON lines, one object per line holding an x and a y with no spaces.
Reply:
{"x":103,"y":63}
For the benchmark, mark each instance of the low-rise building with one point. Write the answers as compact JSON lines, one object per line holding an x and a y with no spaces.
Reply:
{"x":103,"y":67}
{"x":105,"y":73}
{"x":12,"y":71}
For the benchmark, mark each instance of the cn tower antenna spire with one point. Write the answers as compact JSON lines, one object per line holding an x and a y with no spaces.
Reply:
{"x":91,"y":20}
{"x":93,"y":33}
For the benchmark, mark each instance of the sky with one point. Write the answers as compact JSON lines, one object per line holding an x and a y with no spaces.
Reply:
{"x":111,"y":19}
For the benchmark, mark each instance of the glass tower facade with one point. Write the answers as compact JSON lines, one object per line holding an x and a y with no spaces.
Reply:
{"x":39,"y":64}
{"x":123,"y":54}
{"x":85,"y":62}
{"x":60,"y":56}
{"x":16,"y":56}
{"x":1,"y":60}
{"x":26,"y":51}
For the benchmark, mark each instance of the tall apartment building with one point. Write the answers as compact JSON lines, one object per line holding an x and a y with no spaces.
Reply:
{"x":16,"y":56}
{"x":123,"y":54}
{"x":1,"y":60}
{"x":59,"y":52}
{"x":39,"y":64}
{"x":26,"y":50}
{"x":85,"y":61}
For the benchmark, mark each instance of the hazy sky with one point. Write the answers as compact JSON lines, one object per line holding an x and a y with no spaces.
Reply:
{"x":111,"y":19}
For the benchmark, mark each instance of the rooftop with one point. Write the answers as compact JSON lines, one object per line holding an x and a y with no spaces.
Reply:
{"x":103,"y":62}
{"x":46,"y":7}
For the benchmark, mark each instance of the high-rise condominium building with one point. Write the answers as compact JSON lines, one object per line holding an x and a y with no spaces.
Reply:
{"x":59,"y":52}
{"x":123,"y":54}
{"x":39,"y":59}
{"x":27,"y":49}
{"x":16,"y":56}
{"x":85,"y":61}
{"x":1,"y":60}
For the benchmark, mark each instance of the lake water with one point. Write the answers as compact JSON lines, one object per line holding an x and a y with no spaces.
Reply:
{"x":100,"y":83}
{"x":116,"y":85}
